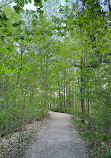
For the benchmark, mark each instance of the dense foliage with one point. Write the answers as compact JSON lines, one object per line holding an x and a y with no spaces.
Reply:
{"x":63,"y":63}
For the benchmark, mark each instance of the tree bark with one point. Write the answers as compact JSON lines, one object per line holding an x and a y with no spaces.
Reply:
{"x":74,"y":104}
{"x":20,"y":67}
{"x":88,"y":107}
{"x":64,"y":95}
{"x":109,"y":5}
{"x":82,"y":92}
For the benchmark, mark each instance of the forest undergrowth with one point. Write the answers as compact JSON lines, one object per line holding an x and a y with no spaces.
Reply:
{"x":15,"y":144}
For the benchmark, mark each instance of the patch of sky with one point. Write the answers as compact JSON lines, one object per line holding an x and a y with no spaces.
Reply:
{"x":105,"y":7}
{"x":51,"y":8}
{"x":30,"y":6}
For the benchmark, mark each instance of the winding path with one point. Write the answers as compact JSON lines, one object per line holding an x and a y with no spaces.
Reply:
{"x":57,"y":139}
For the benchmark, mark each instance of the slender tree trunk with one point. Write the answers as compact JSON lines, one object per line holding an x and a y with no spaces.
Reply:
{"x":69,"y":97}
{"x":88,"y":107}
{"x":82,"y":93}
{"x":60,"y":101}
{"x":74,"y":114}
{"x":21,"y":66}
{"x":108,"y":91}
{"x":109,"y":5}
{"x":50,"y":105}
{"x":64,"y":95}
{"x":24,"y":102}
{"x":46,"y":85}
{"x":47,"y":105}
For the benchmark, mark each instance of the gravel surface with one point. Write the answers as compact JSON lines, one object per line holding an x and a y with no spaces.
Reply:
{"x":57,"y":139}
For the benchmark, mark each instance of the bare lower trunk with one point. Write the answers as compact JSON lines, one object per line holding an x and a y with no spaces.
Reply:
{"x":82,"y":89}
{"x":64,"y":95}
{"x":74,"y":104}
{"x":88,"y":107}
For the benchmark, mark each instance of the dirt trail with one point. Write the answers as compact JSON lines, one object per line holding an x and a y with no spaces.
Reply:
{"x":57,"y":139}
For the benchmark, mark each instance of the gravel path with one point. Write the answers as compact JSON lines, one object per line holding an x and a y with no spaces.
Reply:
{"x":57,"y":139}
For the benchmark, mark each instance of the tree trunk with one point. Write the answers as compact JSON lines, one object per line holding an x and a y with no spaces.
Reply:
{"x":64,"y":95}
{"x":82,"y":92}
{"x":88,"y":107}
{"x":74,"y":104}
{"x":109,"y":5}
{"x":21,"y":66}
{"x":60,"y":101}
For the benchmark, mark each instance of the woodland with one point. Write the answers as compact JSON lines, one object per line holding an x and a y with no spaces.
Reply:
{"x":58,"y":60}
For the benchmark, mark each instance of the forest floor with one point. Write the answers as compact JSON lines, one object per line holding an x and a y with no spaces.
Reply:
{"x":14,"y":145}
{"x":57,"y":139}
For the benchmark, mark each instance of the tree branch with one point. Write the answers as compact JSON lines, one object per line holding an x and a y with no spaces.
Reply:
{"x":90,"y":66}
{"x":6,"y":4}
